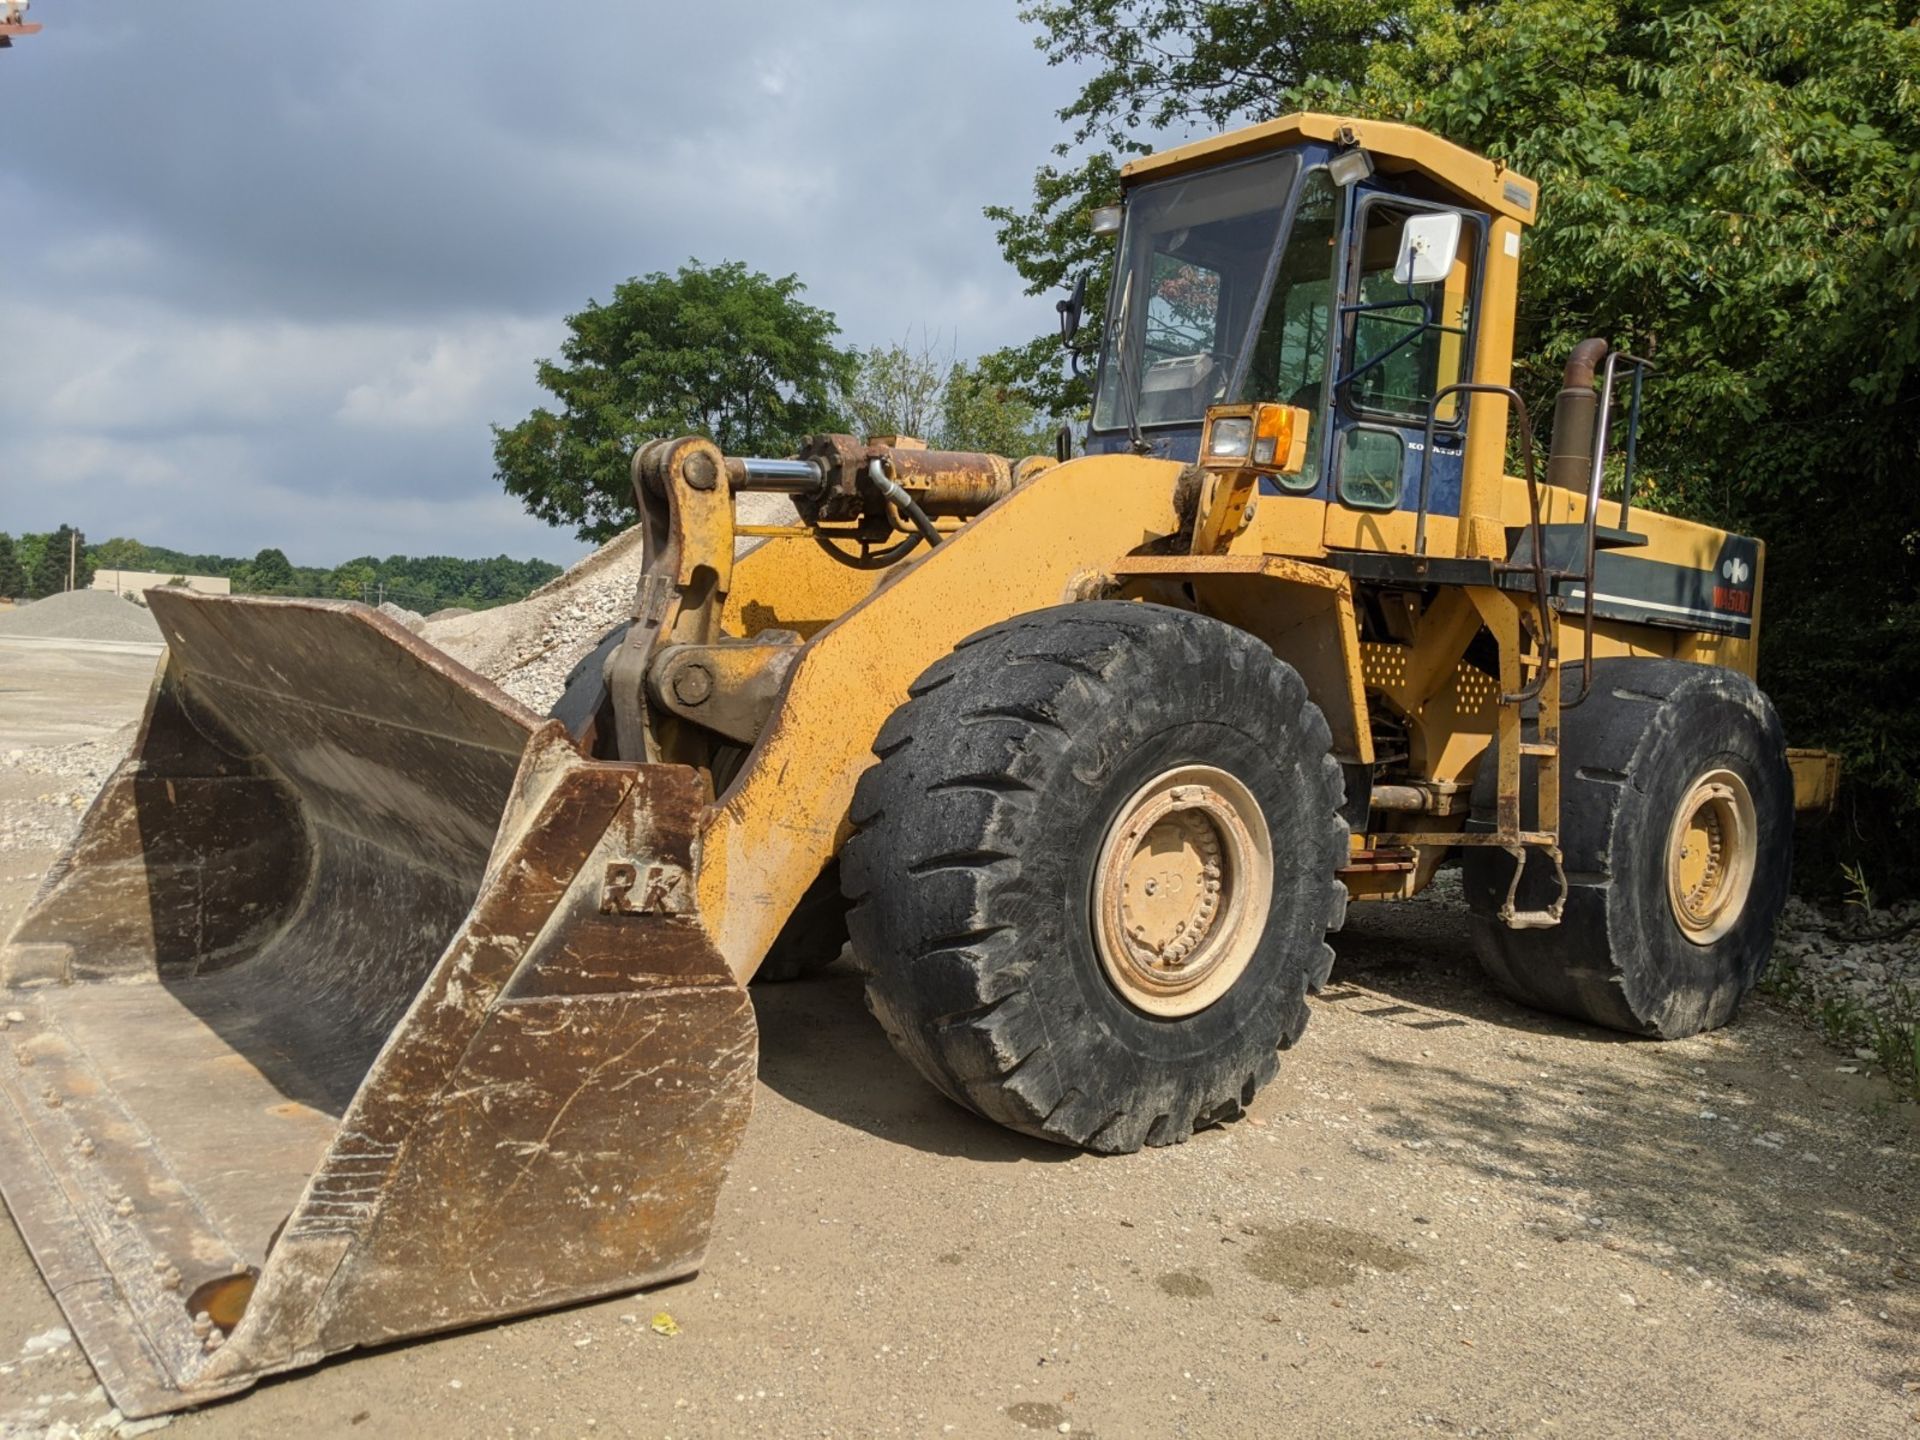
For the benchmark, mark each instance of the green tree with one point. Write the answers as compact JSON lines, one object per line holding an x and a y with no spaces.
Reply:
{"x":44,"y":558}
{"x":30,"y":547}
{"x":61,"y":556}
{"x":719,"y":351}
{"x":906,"y":389}
{"x":119,"y":553}
{"x":355,"y":580}
{"x":985,"y":407}
{"x":268,"y":573}
{"x":897,"y":390}
{"x":1729,"y":187}
{"x":13,"y":577}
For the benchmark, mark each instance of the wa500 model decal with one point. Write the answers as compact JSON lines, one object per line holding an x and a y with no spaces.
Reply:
{"x":1735,"y":596}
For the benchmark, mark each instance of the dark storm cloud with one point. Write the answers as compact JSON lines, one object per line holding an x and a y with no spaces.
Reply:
{"x":272,"y":269}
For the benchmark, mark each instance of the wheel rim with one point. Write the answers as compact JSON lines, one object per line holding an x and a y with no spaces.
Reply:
{"x":1710,"y":856}
{"x":1181,"y":890}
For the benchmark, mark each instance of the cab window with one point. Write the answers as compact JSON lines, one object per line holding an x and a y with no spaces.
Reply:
{"x":1291,"y":351}
{"x":1193,"y":254}
{"x":1405,"y":342}
{"x":1369,"y":465}
{"x":1183,"y":340}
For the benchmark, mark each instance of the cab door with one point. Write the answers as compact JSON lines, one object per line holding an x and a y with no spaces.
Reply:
{"x":1396,"y":346}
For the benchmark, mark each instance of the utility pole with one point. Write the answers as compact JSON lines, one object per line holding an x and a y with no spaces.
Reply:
{"x":73,"y":555}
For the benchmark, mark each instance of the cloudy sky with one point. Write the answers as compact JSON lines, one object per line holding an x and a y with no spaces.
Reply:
{"x":269,"y":270}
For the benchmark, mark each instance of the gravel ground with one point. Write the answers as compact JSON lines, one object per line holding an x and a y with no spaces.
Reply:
{"x":68,"y":777}
{"x":82,"y":615}
{"x":1857,"y":976}
{"x":412,"y":619}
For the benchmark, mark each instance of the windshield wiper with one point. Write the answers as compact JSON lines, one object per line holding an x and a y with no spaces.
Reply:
{"x":1129,"y":386}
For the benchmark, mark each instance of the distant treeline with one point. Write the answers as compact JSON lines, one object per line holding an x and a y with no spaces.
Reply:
{"x":37,"y":565}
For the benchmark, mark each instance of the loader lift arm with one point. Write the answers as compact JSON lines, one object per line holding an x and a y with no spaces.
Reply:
{"x":811,"y":708}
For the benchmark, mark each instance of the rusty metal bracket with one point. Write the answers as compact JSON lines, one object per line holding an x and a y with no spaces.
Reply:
{"x":686,"y":515}
{"x":731,"y":687}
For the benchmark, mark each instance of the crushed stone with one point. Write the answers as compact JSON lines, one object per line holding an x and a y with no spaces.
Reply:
{"x":73,"y":775}
{"x":412,"y":619}
{"x":82,"y":615}
{"x":1859,"y":977}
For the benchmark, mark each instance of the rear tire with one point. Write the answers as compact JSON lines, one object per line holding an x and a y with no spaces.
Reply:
{"x":1039,"y":783}
{"x":814,"y":935}
{"x":1677,"y":835}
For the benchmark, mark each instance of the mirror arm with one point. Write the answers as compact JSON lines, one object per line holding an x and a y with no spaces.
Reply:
{"x":1407,"y":339}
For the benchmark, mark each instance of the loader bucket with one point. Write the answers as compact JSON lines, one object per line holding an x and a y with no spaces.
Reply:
{"x":363,"y":1006}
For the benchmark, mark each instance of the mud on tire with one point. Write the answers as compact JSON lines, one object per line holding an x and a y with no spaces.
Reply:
{"x":971,"y":866}
{"x":1645,"y":743}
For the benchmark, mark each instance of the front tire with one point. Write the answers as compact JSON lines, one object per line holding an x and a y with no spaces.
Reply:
{"x":1093,"y":872}
{"x":1676,"y":827}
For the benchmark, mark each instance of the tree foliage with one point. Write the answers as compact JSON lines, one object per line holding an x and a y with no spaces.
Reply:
{"x":268,"y":572}
{"x":717,"y":351}
{"x":898,"y":389}
{"x":906,"y":389}
{"x":13,"y":577}
{"x":117,"y":554}
{"x":989,"y":407}
{"x":44,"y":561}
{"x":419,"y":582}
{"x":1729,"y":187}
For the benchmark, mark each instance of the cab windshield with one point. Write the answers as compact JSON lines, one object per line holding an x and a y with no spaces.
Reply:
{"x":1193,"y":258}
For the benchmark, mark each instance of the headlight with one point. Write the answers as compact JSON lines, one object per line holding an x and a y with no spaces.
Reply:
{"x":1265,"y":437}
{"x":1230,"y":437}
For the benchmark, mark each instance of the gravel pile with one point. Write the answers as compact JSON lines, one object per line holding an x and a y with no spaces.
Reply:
{"x":82,"y":615}
{"x":412,"y":619}
{"x":530,"y":647}
{"x":1860,"y":978}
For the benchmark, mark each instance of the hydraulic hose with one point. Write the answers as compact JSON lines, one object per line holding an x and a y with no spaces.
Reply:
{"x":897,"y":495}
{"x":878,"y":560}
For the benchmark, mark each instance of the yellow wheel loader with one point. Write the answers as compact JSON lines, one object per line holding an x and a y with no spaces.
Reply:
{"x":368,"y":1003}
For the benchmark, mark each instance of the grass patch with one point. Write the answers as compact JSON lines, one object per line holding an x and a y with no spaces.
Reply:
{"x":1890,"y":1030}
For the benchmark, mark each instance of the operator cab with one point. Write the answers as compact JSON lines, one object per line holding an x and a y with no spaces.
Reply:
{"x":1330,"y":274}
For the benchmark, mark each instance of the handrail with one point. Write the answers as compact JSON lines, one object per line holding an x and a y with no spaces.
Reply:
{"x":1532,"y":688}
{"x":1587,"y":604}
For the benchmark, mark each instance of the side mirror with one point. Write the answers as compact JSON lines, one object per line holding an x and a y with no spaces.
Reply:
{"x":1428,"y":245}
{"x":1071,"y":307}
